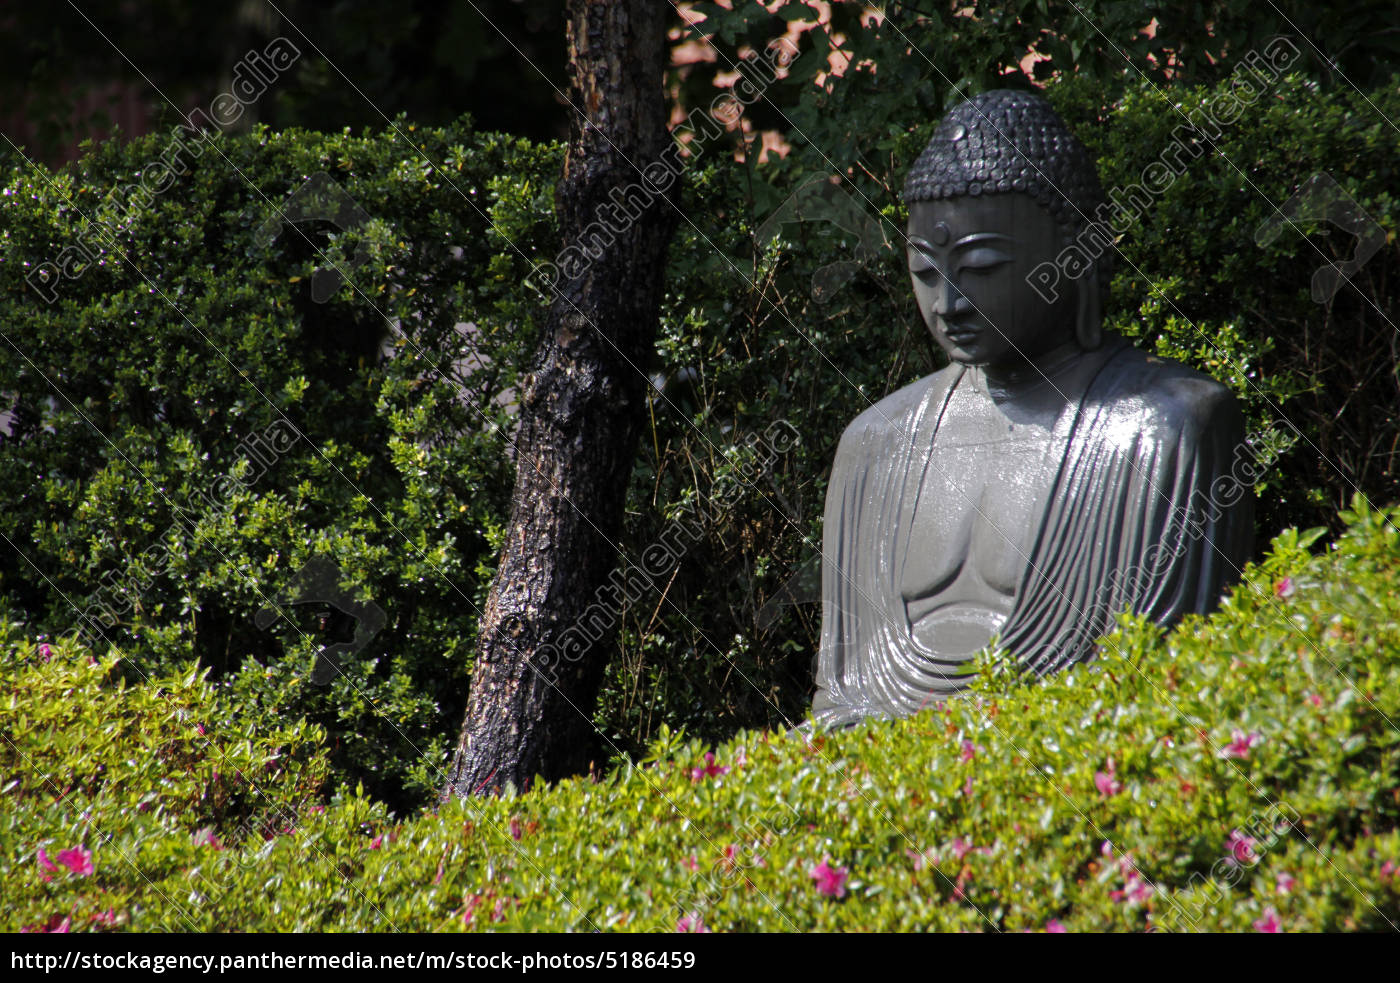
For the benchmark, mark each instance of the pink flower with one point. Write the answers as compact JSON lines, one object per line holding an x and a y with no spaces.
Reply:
{"x":200,"y":728}
{"x":78,"y":860}
{"x":1314,"y":699}
{"x":1284,"y":883}
{"x":1387,"y":869}
{"x":469,"y":905}
{"x":693,"y":922}
{"x":1241,"y":847}
{"x":691,"y":863}
{"x":1284,"y":588}
{"x":106,"y":918}
{"x":1135,"y":889}
{"x":967,"y":787}
{"x":917,"y":858}
{"x":831,"y":881}
{"x":1054,"y":927}
{"x":1239,"y":747}
{"x":709,"y":769}
{"x":56,"y":923}
{"x":206,"y":837}
{"x":46,"y":866}
{"x":45,"y":652}
{"x":515,"y":830}
{"x":1269,"y":923}
{"x":969,"y":751}
{"x":1106,"y":783}
{"x":960,"y":847}
{"x":377,"y":842}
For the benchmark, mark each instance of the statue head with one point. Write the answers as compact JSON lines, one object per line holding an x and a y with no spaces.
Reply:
{"x":1002,"y":187}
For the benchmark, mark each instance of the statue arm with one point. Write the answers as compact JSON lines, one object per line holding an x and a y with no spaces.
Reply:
{"x":866,"y":484}
{"x":1208,"y":535}
{"x":1147,"y":516}
{"x":838,"y":637}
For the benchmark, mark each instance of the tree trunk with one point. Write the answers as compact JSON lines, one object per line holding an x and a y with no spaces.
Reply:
{"x":540,"y":662}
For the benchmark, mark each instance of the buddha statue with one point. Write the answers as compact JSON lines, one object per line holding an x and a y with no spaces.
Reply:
{"x":1050,"y":477}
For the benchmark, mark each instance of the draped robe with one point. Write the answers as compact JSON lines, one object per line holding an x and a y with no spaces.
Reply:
{"x":1147,"y":511}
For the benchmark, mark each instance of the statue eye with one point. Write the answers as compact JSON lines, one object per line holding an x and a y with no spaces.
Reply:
{"x":983,"y":260}
{"x":921,"y":264}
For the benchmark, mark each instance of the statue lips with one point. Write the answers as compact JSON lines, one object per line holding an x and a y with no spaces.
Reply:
{"x":961,"y":334}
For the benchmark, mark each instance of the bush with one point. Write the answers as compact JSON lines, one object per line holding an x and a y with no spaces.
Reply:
{"x":1240,"y":773}
{"x":194,"y":419}
{"x":134,"y":481}
{"x":150,"y":774}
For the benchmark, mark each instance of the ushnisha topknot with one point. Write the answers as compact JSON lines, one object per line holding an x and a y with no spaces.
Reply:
{"x":1003,"y":141}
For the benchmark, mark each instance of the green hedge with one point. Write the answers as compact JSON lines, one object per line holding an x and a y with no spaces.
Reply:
{"x":1241,"y":773}
{"x":193,"y":424}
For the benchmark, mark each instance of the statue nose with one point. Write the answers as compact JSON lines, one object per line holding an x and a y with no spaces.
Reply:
{"x":948,"y":300}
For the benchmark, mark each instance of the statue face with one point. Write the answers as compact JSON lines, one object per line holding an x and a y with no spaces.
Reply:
{"x":970,"y":259}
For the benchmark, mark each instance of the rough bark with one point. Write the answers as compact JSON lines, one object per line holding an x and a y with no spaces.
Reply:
{"x":535,"y":683}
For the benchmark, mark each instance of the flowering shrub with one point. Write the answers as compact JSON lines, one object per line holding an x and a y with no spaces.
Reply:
{"x":103,"y":779}
{"x":1100,"y":799}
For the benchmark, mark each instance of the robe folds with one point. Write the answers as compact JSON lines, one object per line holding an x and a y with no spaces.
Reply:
{"x":1150,"y":510}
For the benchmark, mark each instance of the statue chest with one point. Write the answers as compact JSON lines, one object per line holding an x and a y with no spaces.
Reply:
{"x":978,"y":507}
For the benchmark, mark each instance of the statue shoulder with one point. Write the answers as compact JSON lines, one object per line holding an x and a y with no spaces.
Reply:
{"x":896,"y":413}
{"x":1167,"y":396}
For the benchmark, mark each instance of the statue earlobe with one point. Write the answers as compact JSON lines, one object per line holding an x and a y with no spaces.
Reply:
{"x":1088,"y":323}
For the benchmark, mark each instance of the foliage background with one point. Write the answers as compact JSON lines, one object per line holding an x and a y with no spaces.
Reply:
{"x":135,"y":389}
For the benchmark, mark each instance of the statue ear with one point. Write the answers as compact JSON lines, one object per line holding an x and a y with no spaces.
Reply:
{"x":1088,"y":323}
